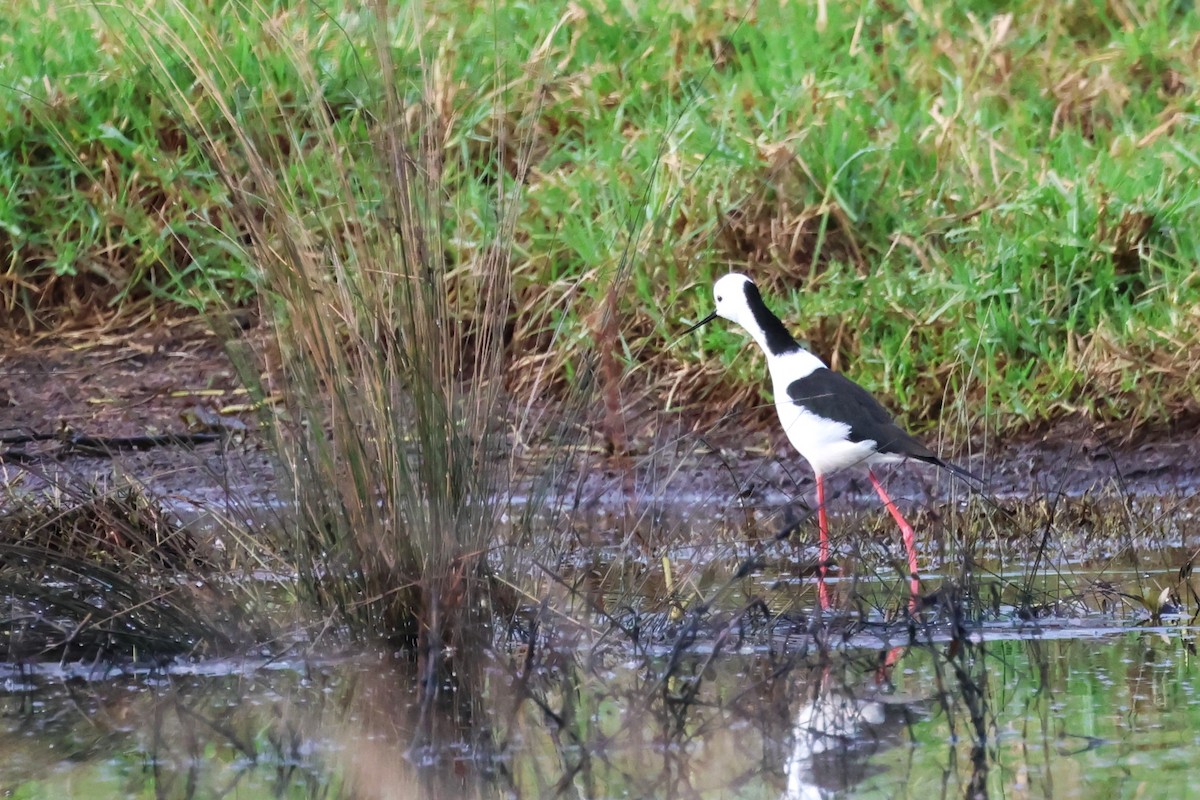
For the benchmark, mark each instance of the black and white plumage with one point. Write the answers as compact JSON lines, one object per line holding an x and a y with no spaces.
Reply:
{"x":830,"y":420}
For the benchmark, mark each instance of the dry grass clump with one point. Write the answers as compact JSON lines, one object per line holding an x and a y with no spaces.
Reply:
{"x":107,"y":576}
{"x":121,"y":528}
{"x":388,"y":283}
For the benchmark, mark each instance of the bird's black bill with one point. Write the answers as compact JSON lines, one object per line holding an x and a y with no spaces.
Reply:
{"x":699,"y":324}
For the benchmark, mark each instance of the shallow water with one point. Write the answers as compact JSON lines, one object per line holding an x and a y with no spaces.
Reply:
{"x":1017,"y":676}
{"x":1085,"y":701}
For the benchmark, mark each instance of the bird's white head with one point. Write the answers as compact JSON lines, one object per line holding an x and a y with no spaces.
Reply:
{"x":733,"y":302}
{"x":739,"y":301}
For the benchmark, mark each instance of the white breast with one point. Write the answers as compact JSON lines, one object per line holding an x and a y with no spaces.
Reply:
{"x":824,"y":443}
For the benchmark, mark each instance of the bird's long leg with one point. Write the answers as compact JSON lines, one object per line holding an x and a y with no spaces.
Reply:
{"x":823,"y":526}
{"x":905,"y":530}
{"x":883,"y":673}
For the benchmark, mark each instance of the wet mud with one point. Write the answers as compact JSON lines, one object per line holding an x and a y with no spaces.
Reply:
{"x":173,"y":378}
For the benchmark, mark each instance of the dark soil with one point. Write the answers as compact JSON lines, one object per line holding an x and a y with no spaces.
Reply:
{"x":158,"y":379}
{"x":154,"y":380}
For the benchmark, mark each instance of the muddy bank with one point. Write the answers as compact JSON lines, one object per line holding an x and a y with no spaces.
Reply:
{"x":176,"y":379}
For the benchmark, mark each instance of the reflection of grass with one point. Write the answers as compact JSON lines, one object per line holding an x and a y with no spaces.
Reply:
{"x":1090,"y":717}
{"x":964,"y":210}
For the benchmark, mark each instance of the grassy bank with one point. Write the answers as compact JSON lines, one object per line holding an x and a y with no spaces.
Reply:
{"x":986,"y":217}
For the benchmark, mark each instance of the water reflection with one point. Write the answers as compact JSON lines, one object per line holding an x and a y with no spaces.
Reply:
{"x":841,"y":722}
{"x":1085,"y":716}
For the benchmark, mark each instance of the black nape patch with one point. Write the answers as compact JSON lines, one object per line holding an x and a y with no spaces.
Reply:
{"x":779,"y":341}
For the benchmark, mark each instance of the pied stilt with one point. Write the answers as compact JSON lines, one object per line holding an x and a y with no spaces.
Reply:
{"x":831,"y":420}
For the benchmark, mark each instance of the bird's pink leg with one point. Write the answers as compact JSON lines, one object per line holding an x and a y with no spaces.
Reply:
{"x":907,"y":532}
{"x":883,"y":672}
{"x":823,"y":525}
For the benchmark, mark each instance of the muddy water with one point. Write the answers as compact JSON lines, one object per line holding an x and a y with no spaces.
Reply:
{"x":1086,"y":699}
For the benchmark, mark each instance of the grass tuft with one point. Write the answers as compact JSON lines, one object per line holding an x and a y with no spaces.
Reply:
{"x":389,"y":355}
{"x":95,"y":576}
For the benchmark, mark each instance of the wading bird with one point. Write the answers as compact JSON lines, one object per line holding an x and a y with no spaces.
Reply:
{"x":831,"y":420}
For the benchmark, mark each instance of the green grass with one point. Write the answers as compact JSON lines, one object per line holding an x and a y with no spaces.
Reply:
{"x":979,"y":216}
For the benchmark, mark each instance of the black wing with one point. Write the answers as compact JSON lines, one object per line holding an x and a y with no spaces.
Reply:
{"x":832,"y":395}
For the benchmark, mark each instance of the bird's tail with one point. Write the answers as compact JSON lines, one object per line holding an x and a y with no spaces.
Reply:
{"x":955,"y":469}
{"x":975,"y":483}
